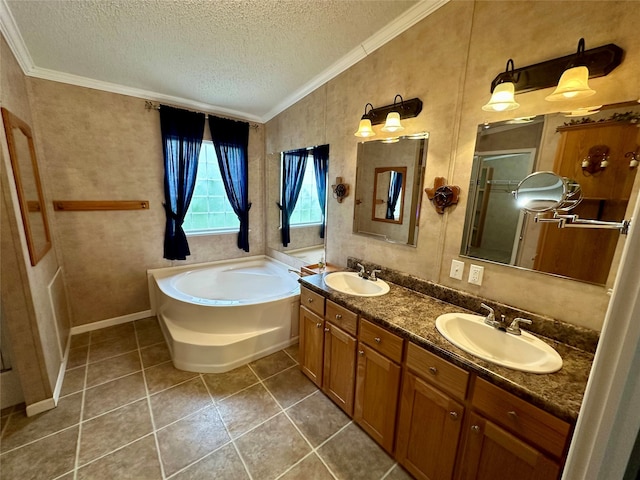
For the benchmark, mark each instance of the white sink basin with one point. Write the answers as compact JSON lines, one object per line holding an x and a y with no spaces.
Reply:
{"x":519,"y":352}
{"x":351,"y":284}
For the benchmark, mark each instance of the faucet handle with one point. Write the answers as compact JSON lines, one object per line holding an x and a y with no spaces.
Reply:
{"x":362,"y":270}
{"x":372,"y":275}
{"x":514,"y":328}
{"x":491,"y":314}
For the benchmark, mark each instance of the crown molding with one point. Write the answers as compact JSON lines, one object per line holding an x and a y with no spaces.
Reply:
{"x":405,"y":21}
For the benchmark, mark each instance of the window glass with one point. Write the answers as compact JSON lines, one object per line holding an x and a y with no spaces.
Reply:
{"x":210,"y":210}
{"x":307,"y":210}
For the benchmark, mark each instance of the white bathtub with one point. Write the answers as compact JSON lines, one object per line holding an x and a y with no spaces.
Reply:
{"x":218,"y":316}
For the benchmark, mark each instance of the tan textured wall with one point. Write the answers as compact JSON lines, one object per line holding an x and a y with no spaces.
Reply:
{"x":26,"y":308}
{"x":105,"y":146}
{"x":449,"y":60}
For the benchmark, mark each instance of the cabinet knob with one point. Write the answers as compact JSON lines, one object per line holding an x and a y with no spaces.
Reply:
{"x":453,"y":415}
{"x":512,"y":414}
{"x":475,"y":428}
{"x":361,"y":352}
{"x":338,"y":316}
{"x":309,"y":300}
{"x":327,"y":329}
{"x":433,"y":370}
{"x":377,"y":339}
{"x":318,"y":325}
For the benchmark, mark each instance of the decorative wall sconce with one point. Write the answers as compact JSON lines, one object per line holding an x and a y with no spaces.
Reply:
{"x":597,"y":62}
{"x":442,"y":195}
{"x":389,"y":114}
{"x":596,"y":160}
{"x":502,"y":98}
{"x":635,"y":158}
{"x":339,"y":189}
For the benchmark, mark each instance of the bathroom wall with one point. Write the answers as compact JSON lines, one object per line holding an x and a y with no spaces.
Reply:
{"x":36,"y":338}
{"x":105,"y":146}
{"x":449,"y":60}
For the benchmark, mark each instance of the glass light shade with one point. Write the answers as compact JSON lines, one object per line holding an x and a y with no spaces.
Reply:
{"x":393,"y":123}
{"x":574,"y":83}
{"x":502,"y":99}
{"x":364,"y":129}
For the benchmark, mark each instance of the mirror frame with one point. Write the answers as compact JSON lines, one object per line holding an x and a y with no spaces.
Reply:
{"x":403,"y":171}
{"x":36,"y":252}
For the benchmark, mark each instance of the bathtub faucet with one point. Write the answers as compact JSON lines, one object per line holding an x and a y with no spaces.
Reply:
{"x":297,"y":272}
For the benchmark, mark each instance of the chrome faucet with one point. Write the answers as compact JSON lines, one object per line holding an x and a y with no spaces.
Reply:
{"x":297,"y":272}
{"x":514,"y":328}
{"x":372,"y":275}
{"x":362,"y":273}
{"x":490,"y":319}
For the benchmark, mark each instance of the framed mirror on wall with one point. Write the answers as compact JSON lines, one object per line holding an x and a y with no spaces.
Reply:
{"x":598,"y":151}
{"x":24,"y":164}
{"x":388,"y":191}
{"x":307,"y":222}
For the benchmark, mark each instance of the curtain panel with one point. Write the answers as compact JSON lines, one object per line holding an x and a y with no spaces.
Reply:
{"x":182,"y":133}
{"x":231,"y":141}
{"x":321,"y":167}
{"x":395,"y":188}
{"x":293,"y":167}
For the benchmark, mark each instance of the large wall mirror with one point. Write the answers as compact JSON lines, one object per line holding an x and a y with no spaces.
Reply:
{"x":598,"y":151}
{"x":389,"y":179}
{"x":307,"y":234}
{"x":22,"y":153}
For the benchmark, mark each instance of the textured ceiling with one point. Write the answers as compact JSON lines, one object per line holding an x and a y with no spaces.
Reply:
{"x":244,"y":57}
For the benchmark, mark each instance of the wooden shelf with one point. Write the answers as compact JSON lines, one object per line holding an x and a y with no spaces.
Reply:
{"x":97,"y":205}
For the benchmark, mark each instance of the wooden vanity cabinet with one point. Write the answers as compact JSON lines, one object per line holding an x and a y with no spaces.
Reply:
{"x":311,"y":342}
{"x":506,"y":436}
{"x":431,"y":415}
{"x":378,"y":383}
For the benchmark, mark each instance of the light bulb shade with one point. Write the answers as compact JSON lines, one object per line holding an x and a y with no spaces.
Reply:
{"x":502,"y":98}
{"x":364,"y":129}
{"x":574,"y":83}
{"x":393,"y":123}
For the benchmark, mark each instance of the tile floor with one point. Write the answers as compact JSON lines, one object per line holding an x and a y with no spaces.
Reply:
{"x":125,"y":412}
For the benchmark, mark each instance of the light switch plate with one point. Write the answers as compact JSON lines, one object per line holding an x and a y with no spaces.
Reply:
{"x":457,"y":267}
{"x":475,"y":274}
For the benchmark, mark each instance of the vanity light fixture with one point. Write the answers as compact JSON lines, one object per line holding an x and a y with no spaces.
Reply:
{"x":599,"y":62}
{"x":574,"y":82}
{"x":364,"y":129}
{"x":391,"y":115}
{"x":502,"y":95}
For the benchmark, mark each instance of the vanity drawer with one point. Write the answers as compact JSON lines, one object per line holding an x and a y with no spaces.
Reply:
{"x":312,"y":301}
{"x":438,"y":371}
{"x":381,"y":340}
{"x":342,"y":317}
{"x":523,"y":419}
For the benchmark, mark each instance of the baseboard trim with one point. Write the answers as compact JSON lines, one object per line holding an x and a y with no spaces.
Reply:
{"x":41,"y":406}
{"x":110,"y":322}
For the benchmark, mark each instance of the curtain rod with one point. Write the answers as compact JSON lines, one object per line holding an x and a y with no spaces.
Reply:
{"x":148,"y":105}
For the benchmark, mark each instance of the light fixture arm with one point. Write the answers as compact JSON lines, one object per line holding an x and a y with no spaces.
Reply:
{"x":408,"y":109}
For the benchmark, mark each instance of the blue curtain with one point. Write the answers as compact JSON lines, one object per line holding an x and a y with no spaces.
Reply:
{"x":231,"y":140}
{"x":293,"y":167}
{"x":395,"y":187}
{"x":181,"y":140}
{"x":320,"y":168}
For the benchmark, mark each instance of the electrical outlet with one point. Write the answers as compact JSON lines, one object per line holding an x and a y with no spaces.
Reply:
{"x":457,"y":267}
{"x":475,"y":274}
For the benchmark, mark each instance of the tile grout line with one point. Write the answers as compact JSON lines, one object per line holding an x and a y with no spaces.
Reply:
{"x":84,"y":391}
{"x":148,"y":398}
{"x":231,"y":439}
{"x":304,"y":437}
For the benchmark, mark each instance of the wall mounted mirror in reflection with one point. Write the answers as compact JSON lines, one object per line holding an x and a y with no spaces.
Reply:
{"x":506,"y":152}
{"x":388,"y":194}
{"x":297,"y":187}
{"x":388,"y":191}
{"x":24,"y":164}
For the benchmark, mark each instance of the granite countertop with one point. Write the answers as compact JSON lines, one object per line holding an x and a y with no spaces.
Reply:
{"x":412,"y":315}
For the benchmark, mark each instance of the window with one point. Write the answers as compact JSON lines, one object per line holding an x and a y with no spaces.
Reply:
{"x":210,"y":210}
{"x":307,"y":210}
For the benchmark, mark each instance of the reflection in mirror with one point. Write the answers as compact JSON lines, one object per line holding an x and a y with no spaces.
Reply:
{"x":506,"y":152}
{"x":306,"y":243}
{"x":388,"y":188}
{"x":388,"y":194}
{"x":546,"y":192}
{"x":22,"y":154}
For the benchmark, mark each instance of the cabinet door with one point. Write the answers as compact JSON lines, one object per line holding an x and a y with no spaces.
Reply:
{"x":490,"y":453}
{"x":377,"y":384}
{"x":428,"y":430}
{"x":339,"y":367}
{"x":311,"y":345}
